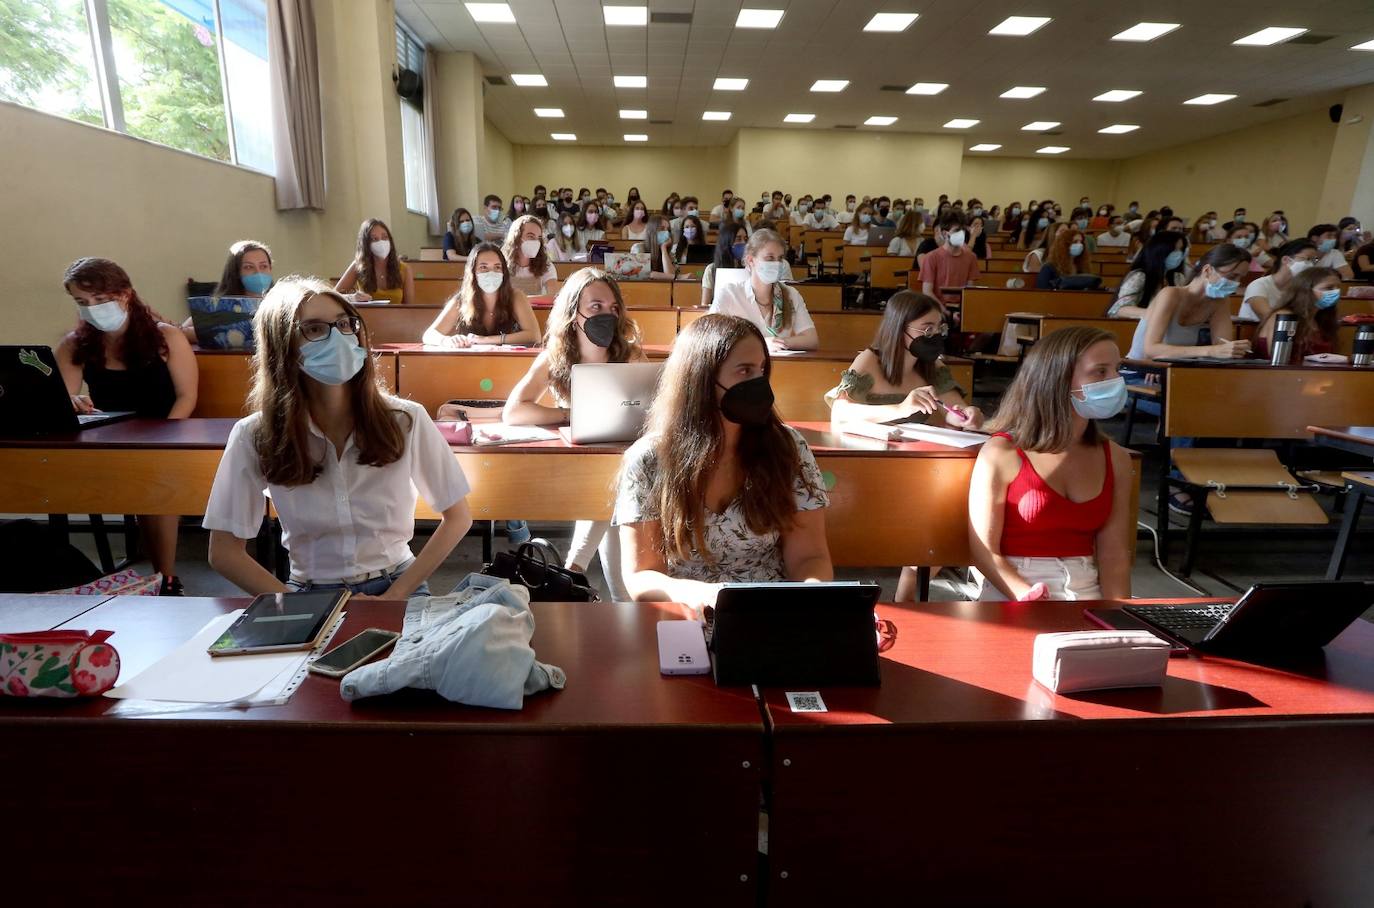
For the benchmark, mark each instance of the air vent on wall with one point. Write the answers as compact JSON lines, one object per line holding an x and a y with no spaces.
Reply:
{"x":670,"y":18}
{"x":1310,"y":38}
{"x":1052,"y":132}
{"x":1270,"y":103}
{"x":495,"y":80}
{"x":843,"y":126}
{"x":894,"y":88}
{"x":660,"y":122}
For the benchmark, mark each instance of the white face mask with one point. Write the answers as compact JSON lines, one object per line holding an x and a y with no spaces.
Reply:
{"x":490,"y":281}
{"x":530,"y":248}
{"x":768,"y":272}
{"x":568,"y":230}
{"x":1298,"y":266}
{"x":848,"y":206}
{"x":381,"y":248}
{"x":956,"y":239}
{"x":106,"y":316}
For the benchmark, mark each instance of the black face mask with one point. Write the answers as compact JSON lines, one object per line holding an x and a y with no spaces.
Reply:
{"x":749,"y":403}
{"x":601,"y":329}
{"x":927,"y":349}
{"x":883,"y":211}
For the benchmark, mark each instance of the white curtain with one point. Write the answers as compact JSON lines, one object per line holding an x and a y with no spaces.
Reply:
{"x":297,"y":122}
{"x":429,"y":154}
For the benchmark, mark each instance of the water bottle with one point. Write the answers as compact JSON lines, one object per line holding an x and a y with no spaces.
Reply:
{"x":1281,"y":346}
{"x":1364,"y":346}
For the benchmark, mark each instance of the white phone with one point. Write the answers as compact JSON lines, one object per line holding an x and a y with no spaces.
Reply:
{"x":682,"y":648}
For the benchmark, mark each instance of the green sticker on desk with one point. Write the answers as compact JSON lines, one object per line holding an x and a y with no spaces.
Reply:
{"x":486,"y":384}
{"x":828,"y":478}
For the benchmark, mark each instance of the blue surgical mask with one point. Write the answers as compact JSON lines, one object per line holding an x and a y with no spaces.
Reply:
{"x":1042,"y":223}
{"x":257,"y":283}
{"x":1101,"y":399}
{"x":865,"y":218}
{"x":1082,"y":223}
{"x":1326,"y":246}
{"x":1241,"y":242}
{"x":663,"y":236}
{"x":1173,"y":260}
{"x":1221,"y":288}
{"x":1328,"y":298}
{"x":737,"y":251}
{"x":334,"y":360}
{"x":1075,"y":249}
{"x":465,"y":228}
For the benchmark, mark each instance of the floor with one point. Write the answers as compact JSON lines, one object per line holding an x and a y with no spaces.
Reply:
{"x":1226,"y":564}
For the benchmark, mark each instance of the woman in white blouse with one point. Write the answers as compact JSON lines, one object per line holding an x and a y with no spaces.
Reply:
{"x":776,"y":309}
{"x":342,"y":459}
{"x":856,"y":234}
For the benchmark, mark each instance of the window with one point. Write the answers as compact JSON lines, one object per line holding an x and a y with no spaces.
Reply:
{"x":410,"y":54}
{"x":155,"y":69}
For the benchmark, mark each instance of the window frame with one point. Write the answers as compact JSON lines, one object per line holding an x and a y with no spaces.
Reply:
{"x":410,"y":54}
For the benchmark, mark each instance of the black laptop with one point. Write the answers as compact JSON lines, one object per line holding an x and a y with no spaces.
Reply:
{"x":33,"y":397}
{"x":1270,"y":619}
{"x":795,"y":634}
{"x":700,"y":254}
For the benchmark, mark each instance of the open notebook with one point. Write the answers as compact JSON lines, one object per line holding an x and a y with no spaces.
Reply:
{"x":939,"y":435}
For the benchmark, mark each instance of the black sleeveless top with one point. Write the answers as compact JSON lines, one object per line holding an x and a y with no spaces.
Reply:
{"x":147,"y":390}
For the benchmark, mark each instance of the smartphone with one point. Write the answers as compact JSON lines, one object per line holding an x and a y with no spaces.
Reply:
{"x":347,"y":656}
{"x":682,"y":648}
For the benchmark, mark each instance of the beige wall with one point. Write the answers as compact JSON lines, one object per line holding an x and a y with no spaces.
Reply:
{"x":497,"y":166}
{"x":701,"y":171}
{"x":862,"y":163}
{"x":1280,"y":165}
{"x":999,"y":181}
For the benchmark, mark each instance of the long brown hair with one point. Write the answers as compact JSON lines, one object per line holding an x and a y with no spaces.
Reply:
{"x":469,"y":294}
{"x":142,"y":342}
{"x":1059,"y":257}
{"x":231,"y":282}
{"x":511,"y":247}
{"x":282,"y":438}
{"x":1036,"y":410}
{"x":1299,"y":298}
{"x":890,"y":342}
{"x":685,"y":421}
{"x":560,"y":335}
{"x":362,"y":258}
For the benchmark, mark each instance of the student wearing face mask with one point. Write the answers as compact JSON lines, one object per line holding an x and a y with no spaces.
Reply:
{"x":1362,"y":262}
{"x":1311,"y":298}
{"x":1082,"y":219}
{"x":692,"y":236}
{"x":775,"y":210}
{"x":1013,"y":220}
{"x":377,"y":272}
{"x":1033,"y":232}
{"x":1148,"y":228}
{"x":565,"y":204}
{"x":528,"y":258}
{"x":1262,"y":294}
{"x":732,"y":242}
{"x":519,"y":205}
{"x":1116,"y":236}
{"x":342,"y":459}
{"x":659,"y":245}
{"x":688,"y":208}
{"x":846,"y":217}
{"x":908,"y":236}
{"x":587,"y":324}
{"x":1236,"y":218}
{"x":1068,"y":257}
{"x":1102,"y":219}
{"x":568,"y":243}
{"x":1159,"y":265}
{"x":129,"y":359}
{"x":487,"y":309}
{"x":459,"y":235}
{"x":882,"y":214}
{"x":247,"y":272}
{"x":735,"y":215}
{"x":1351,"y":236}
{"x":1035,"y":258}
{"x":820,"y":217}
{"x":1243,"y":236}
{"x":1275,"y":230}
{"x":856,"y":234}
{"x":718,"y":489}
{"x":721,"y":211}
{"x":953,"y":264}
{"x":1173,"y":323}
{"x":494,"y":223}
{"x":635,"y":225}
{"x":1326,"y":236}
{"x":589,"y":225}
{"x":1049,"y":502}
{"x":777,"y":310}
{"x":799,"y":217}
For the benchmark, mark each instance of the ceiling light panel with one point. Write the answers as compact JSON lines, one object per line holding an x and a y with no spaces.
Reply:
{"x":758,"y":18}
{"x":1145,"y":31}
{"x":1021,"y":92}
{"x":1266,"y":37}
{"x":1117,"y":95}
{"x":1019,"y":26}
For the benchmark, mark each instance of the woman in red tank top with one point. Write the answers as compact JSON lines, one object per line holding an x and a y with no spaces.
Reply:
{"x":1049,"y":502}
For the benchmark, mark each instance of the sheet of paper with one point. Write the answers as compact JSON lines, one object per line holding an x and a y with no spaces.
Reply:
{"x":941,"y":436}
{"x":871,"y":430}
{"x":502,"y":434}
{"x":787,"y":352}
{"x":189,"y":674}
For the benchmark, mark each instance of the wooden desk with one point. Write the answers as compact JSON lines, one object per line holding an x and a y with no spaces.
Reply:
{"x":225,"y":377}
{"x":1353,"y":439}
{"x":168,"y":467}
{"x":985,"y":309}
{"x":406,"y":324}
{"x":854,"y":258}
{"x":963,"y":780}
{"x":1264,"y":401}
{"x":561,"y":801}
{"x":1122,"y":329}
{"x":20,"y":614}
{"x":889,"y":272}
{"x":820,"y":297}
{"x":450,"y":271}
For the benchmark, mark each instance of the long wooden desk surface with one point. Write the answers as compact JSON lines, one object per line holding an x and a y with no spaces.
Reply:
{"x":1355,"y":439}
{"x":1263,"y":401}
{"x":891,"y":504}
{"x":562,"y":801}
{"x":963,"y":780}
{"x":225,"y":376}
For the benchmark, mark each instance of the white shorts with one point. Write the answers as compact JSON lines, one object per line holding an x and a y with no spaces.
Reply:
{"x":1064,"y":578}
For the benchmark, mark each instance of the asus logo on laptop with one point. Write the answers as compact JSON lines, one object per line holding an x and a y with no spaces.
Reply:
{"x":632,"y":403}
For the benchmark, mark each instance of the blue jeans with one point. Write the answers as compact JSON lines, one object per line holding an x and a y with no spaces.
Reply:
{"x":374,"y":587}
{"x":517,"y":531}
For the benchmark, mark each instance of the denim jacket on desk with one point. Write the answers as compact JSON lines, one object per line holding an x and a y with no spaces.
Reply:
{"x":471,"y":646}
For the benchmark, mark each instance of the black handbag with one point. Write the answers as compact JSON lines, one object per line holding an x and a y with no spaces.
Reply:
{"x":547,"y":581}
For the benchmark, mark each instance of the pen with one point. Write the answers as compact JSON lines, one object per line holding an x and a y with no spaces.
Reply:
{"x":957,"y":411}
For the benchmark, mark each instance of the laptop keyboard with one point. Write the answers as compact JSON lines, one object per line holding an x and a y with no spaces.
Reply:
{"x":1181,"y":618}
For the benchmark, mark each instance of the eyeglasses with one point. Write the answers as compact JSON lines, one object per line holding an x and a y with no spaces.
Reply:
{"x":315,"y":330}
{"x":941,"y":329}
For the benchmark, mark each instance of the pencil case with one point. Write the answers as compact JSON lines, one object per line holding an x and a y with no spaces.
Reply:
{"x":57,"y":664}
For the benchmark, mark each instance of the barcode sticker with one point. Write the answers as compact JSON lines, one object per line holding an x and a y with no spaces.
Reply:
{"x":806,"y":701}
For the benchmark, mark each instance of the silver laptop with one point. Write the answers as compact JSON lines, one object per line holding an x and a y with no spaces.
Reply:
{"x":880,"y":236}
{"x":610,"y":401}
